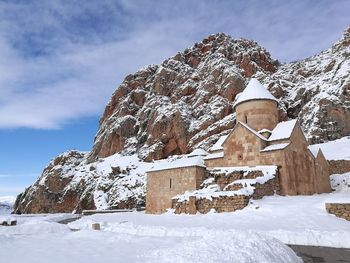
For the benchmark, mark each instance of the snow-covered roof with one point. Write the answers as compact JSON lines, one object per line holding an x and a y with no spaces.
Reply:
{"x":333,"y":150}
{"x":218,"y":145}
{"x":314,"y":150}
{"x":214,"y":156}
{"x":275,"y":147}
{"x":178,"y":163}
{"x":198,"y":152}
{"x":266,"y":169}
{"x":283,"y":130}
{"x":254,"y":91}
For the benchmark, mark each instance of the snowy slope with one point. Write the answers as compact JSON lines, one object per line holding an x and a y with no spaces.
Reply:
{"x":6,"y":204}
{"x":317,"y":91}
{"x":41,"y":241}
{"x":334,"y":150}
{"x":300,"y":220}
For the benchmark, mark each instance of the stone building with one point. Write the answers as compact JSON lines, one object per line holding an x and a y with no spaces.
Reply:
{"x":257,"y":140}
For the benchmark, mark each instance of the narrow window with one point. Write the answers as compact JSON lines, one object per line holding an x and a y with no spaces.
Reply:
{"x":240,"y":157}
{"x":245,"y":119}
{"x":170,"y":183}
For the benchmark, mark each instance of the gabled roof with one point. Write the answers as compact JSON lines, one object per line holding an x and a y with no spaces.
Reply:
{"x":214,"y":156}
{"x":198,"y":152}
{"x":283,"y":130}
{"x":166,"y":164}
{"x":253,"y":131}
{"x":218,"y":145}
{"x":275,"y":147}
{"x":249,"y":129}
{"x":254,"y":91}
{"x":314,"y":150}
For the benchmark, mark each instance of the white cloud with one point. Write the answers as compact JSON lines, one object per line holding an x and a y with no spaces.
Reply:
{"x":63,"y":61}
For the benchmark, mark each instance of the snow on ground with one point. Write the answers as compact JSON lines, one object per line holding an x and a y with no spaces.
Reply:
{"x":136,"y":238}
{"x":334,"y":150}
{"x":254,"y":234}
{"x":300,"y":220}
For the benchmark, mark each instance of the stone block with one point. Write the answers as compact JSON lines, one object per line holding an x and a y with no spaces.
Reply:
{"x":96,"y":226}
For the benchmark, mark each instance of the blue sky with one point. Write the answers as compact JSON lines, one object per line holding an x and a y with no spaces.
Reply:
{"x":62,"y":60}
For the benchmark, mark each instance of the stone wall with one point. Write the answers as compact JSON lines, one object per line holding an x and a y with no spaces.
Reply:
{"x":339,"y":166}
{"x":258,"y":114}
{"x":163,"y":185}
{"x":299,"y":173}
{"x":271,"y":187}
{"x":225,"y":202}
{"x":204,"y":205}
{"x":323,"y":182}
{"x":341,"y":210}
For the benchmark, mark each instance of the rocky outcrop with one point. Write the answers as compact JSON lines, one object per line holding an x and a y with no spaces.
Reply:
{"x":69,"y":184}
{"x":184,"y":103}
{"x":317,"y":91}
{"x":171,"y":108}
{"x":187,"y":101}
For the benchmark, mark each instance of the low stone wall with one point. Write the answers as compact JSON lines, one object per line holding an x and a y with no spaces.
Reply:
{"x":339,"y":166}
{"x":341,"y":210}
{"x":224,"y":179}
{"x":227,"y":203}
{"x":271,"y":187}
{"x":203,"y":205}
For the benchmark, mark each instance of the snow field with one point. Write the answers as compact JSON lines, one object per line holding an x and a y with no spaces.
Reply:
{"x":43,"y":241}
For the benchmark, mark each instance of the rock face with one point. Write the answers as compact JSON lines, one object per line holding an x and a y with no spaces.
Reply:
{"x":69,"y":184}
{"x":317,"y":91}
{"x":185,"y":103}
{"x":171,"y":108}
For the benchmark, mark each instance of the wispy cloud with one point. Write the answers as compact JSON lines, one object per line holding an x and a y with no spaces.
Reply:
{"x":5,"y":175}
{"x":62,"y":60}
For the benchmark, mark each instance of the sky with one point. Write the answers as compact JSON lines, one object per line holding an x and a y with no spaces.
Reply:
{"x":62,"y":60}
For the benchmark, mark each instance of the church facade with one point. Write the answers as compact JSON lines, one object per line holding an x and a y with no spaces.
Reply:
{"x":258,"y":139}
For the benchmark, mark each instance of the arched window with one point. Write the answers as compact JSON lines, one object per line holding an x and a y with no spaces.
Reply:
{"x":245,"y":119}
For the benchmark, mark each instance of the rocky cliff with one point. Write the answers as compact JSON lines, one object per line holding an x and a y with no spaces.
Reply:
{"x":185,"y":103}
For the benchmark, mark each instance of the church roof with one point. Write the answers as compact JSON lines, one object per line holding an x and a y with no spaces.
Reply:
{"x":283,"y":130}
{"x":198,"y":152}
{"x":254,"y":91}
{"x":253,"y":131}
{"x":218,"y":145}
{"x":275,"y":147}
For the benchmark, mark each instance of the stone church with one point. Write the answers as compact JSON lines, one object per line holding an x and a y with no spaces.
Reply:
{"x":257,"y":140}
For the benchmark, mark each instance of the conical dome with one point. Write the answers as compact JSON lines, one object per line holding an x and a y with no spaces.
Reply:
{"x":254,"y":91}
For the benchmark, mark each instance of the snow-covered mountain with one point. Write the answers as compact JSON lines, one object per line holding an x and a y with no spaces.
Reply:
{"x":186,"y":103}
{"x":6,"y":204}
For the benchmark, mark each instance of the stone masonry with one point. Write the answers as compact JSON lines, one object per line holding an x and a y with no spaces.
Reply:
{"x":341,"y":210}
{"x":166,"y":184}
{"x":227,"y":203}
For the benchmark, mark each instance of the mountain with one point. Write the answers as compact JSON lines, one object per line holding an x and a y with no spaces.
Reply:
{"x":6,"y":204}
{"x":184,"y":103}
